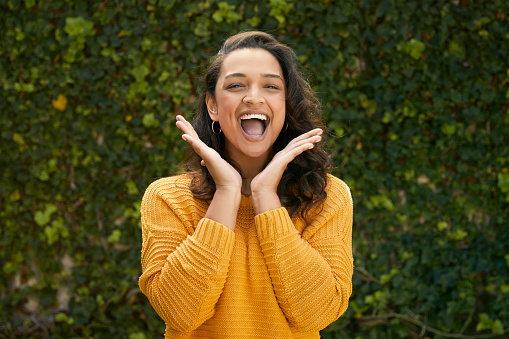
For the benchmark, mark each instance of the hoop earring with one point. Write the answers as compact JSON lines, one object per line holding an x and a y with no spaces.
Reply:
{"x":214,"y":130}
{"x":286,"y":127}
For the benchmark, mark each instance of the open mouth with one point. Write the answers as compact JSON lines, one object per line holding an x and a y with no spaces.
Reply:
{"x":253,"y":124}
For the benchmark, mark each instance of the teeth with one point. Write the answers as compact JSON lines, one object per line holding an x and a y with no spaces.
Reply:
{"x":253,"y":116}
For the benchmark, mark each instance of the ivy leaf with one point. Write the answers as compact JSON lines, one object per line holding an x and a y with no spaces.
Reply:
{"x":414,"y":48}
{"x":503,"y":182}
{"x":497,"y":327}
{"x":149,"y":120}
{"x":42,"y":217}
{"x":78,"y":27}
{"x":449,"y":129}
{"x":131,"y":188}
{"x":60,"y":103}
{"x":140,"y":72}
{"x":18,"y":138}
{"x":137,"y":335}
{"x":114,"y":236}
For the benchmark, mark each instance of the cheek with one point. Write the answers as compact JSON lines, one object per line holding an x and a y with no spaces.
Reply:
{"x":280,"y":109}
{"x":226,"y":105}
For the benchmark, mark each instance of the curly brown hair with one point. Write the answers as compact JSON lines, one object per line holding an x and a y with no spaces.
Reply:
{"x":302,"y":185}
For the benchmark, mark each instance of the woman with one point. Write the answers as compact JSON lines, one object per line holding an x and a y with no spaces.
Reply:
{"x":254,"y":240}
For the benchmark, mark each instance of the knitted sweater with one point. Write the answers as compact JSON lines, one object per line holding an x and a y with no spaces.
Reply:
{"x":273,"y":277}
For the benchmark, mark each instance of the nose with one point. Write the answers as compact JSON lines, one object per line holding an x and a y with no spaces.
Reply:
{"x":253,"y":96}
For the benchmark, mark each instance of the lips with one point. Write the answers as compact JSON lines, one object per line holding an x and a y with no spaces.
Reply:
{"x":253,"y":124}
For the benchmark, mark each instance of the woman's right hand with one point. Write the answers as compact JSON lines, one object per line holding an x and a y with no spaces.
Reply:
{"x":225,"y":176}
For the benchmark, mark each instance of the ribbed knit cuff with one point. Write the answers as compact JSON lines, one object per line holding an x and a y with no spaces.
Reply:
{"x":215,"y":236}
{"x":274,"y":223}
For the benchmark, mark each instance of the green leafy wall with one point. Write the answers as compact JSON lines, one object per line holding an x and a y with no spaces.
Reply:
{"x":415,"y":93}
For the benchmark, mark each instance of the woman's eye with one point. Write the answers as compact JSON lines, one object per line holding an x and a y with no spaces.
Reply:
{"x":272,"y":87}
{"x":233,"y":86}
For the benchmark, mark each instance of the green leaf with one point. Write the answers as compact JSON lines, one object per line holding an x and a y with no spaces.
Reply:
{"x":114,"y":236}
{"x":18,"y":138}
{"x":167,"y":4}
{"x":503,"y":182}
{"x":382,"y":201}
{"x":456,"y":49}
{"x":42,"y":217}
{"x":385,"y":278}
{"x":458,"y":234}
{"x":137,"y":335}
{"x":131,"y":188}
{"x":442,"y":225}
{"x":414,"y":48}
{"x":497,"y":327}
{"x":149,"y":120}
{"x":140,"y":72}
{"x":77,"y":26}
{"x":29,"y":3}
{"x":449,"y":129}
{"x":485,"y":322}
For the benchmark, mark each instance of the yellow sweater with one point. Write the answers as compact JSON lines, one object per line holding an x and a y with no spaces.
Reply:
{"x":273,"y":277}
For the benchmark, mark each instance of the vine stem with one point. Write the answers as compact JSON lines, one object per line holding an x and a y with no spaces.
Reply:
{"x":426,"y":327}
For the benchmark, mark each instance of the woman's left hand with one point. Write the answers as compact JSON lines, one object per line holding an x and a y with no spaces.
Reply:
{"x":264,"y":185}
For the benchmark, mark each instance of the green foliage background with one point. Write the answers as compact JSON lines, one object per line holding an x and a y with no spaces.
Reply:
{"x":415,"y":93}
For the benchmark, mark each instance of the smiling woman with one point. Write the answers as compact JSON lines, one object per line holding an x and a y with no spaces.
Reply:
{"x":255,"y":239}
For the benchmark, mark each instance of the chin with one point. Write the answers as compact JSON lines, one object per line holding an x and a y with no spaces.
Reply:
{"x":259,"y":153}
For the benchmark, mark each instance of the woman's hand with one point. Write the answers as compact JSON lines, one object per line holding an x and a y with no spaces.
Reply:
{"x":264,"y":185}
{"x":224,"y":175}
{"x":224,"y":205}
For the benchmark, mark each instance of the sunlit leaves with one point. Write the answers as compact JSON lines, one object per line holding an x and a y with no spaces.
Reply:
{"x":413,"y":47}
{"x":140,"y":72}
{"x":486,"y":323}
{"x":503,"y":184}
{"x":43,"y":216}
{"x":226,"y":12}
{"x":78,"y":30}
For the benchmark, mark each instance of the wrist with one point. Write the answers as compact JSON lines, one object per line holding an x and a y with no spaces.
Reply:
{"x":264,"y":201}
{"x":224,"y":206}
{"x":229,"y":193}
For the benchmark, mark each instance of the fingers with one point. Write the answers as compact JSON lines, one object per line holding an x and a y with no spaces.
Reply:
{"x":300,"y":148}
{"x":307,"y":135}
{"x":305,"y":141}
{"x":185,"y":126}
{"x":312,"y":137}
{"x":190,"y":135}
{"x":269,"y":178}
{"x":300,"y":144}
{"x":193,"y":139}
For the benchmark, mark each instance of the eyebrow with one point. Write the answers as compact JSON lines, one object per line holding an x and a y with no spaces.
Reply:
{"x":242,"y":75}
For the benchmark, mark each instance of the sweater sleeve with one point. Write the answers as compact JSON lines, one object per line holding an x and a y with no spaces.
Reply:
{"x":311,"y":273}
{"x":183,"y":274}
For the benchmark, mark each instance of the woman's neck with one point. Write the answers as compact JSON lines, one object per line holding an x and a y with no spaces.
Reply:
{"x":249,"y":168}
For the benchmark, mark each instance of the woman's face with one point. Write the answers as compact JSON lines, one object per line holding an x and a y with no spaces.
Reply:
{"x":249,"y":103}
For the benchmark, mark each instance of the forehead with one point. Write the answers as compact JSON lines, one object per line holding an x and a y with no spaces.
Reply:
{"x":250,"y":61}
